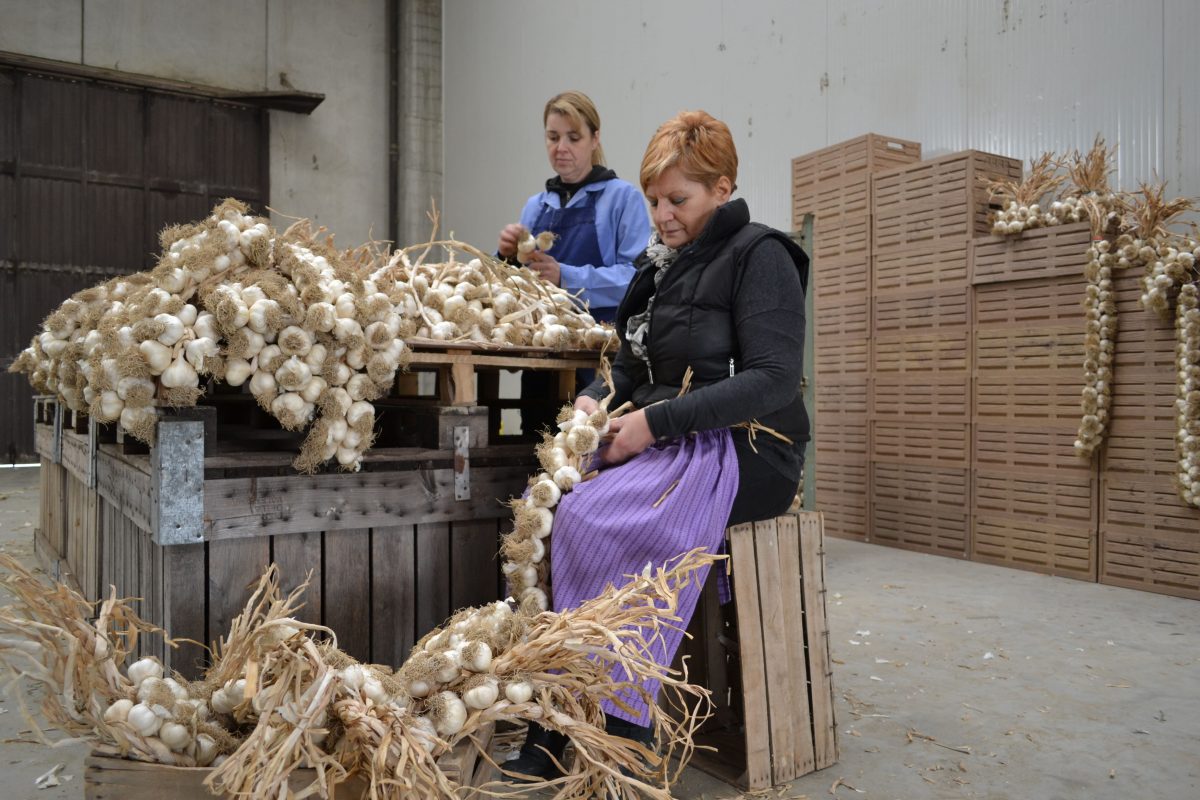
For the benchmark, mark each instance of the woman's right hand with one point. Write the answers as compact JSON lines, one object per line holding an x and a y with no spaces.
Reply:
{"x":509,"y":237}
{"x":586,"y":404}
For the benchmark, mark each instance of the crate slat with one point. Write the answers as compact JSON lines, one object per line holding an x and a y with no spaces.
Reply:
{"x":842,"y":495}
{"x":836,"y":179}
{"x":941,"y":263}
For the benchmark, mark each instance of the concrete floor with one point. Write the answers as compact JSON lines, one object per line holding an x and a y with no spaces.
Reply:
{"x":953,"y":680}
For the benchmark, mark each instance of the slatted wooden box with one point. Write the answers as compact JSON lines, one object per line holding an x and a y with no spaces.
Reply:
{"x":836,"y":179}
{"x":843,"y":494}
{"x":392,"y":550}
{"x":1035,"y":503}
{"x":920,"y":507}
{"x":941,"y":198}
{"x":765,"y":658}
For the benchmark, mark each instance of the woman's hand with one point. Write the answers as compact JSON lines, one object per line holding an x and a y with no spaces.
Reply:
{"x":632,"y":437}
{"x":546,"y":266}
{"x":586,"y":404}
{"x":509,"y":237}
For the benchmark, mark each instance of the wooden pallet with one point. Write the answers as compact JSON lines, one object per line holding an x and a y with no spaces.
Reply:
{"x":109,"y":777}
{"x":770,"y":647}
{"x":457,"y":364}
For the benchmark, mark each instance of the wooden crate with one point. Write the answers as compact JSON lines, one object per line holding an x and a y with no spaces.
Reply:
{"x":931,"y":308}
{"x":841,"y":359}
{"x":1044,"y":521}
{"x":773,"y":690}
{"x":1144,"y":339}
{"x":848,"y":399}
{"x":922,"y":508}
{"x":942,"y":198}
{"x":1149,"y":539}
{"x":841,"y":297}
{"x":843,"y":495}
{"x":1141,"y":439}
{"x":942,"y":263}
{"x":932,"y":399}
{"x":1060,"y":251}
{"x":842,"y":236}
{"x":109,"y":777}
{"x":921,"y":355}
{"x":836,"y":179}
{"x":841,"y":436}
{"x":394,"y":549}
{"x":923,"y":444}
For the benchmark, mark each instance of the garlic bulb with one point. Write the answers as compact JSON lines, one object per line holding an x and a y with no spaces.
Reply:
{"x":143,"y":668}
{"x":143,"y":720}
{"x":518,"y":691}
{"x":482,"y":693}
{"x":118,"y":711}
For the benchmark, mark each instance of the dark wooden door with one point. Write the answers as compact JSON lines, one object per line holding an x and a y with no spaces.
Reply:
{"x":90,"y":172}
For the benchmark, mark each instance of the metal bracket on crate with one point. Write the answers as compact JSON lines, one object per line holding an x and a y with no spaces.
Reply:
{"x":93,"y":437}
{"x":58,"y":423}
{"x":177,"y":475}
{"x":462,"y":462}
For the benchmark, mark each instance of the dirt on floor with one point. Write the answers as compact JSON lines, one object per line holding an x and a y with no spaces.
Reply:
{"x":952,"y":680}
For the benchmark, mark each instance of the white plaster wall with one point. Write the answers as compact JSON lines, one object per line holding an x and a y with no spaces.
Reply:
{"x":1016,"y":77}
{"x":330,"y":166}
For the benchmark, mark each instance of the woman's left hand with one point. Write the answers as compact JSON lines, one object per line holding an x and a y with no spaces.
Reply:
{"x":632,"y":437}
{"x":546,"y":266}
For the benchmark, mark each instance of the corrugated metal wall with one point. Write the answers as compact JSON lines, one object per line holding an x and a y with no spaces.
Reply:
{"x":89,"y":174}
{"x":1014,"y":77}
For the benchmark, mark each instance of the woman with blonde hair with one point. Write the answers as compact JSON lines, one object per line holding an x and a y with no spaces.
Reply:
{"x":719,"y":298}
{"x":598,"y":219}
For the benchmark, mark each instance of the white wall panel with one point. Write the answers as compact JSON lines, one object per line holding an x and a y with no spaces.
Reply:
{"x":1051,"y":75}
{"x":1181,"y":99}
{"x":331,"y":165}
{"x":46,"y":29}
{"x":899,"y":69}
{"x":219,"y":42}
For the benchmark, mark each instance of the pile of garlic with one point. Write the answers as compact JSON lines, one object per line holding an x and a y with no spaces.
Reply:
{"x":1099,"y":347}
{"x":564,"y":457}
{"x":1015,"y":218}
{"x":1187,"y":404}
{"x":491,"y":303}
{"x":314,"y":333}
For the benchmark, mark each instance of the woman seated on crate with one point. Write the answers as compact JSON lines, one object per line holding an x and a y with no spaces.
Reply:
{"x":720,"y":297}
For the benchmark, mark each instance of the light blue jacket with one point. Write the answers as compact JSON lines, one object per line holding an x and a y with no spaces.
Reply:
{"x":622,"y":229}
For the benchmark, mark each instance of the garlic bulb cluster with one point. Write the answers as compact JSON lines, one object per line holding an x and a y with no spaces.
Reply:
{"x":1015,"y":218}
{"x":564,"y":457}
{"x":1099,"y":348}
{"x":162,"y":721}
{"x":1169,"y":264}
{"x":529,"y":243}
{"x":1187,"y":404}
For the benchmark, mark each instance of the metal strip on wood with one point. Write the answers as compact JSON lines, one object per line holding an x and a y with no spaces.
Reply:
{"x":177,"y":471}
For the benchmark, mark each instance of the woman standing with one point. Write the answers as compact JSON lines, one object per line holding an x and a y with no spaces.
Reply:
{"x":719,"y":296}
{"x":599,"y":220}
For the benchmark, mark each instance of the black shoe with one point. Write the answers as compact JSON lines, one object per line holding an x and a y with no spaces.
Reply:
{"x":535,"y":761}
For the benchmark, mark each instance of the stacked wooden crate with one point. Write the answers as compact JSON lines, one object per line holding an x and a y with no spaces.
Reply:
{"x":924,"y":217}
{"x":1034,"y":502}
{"x":834,"y":186}
{"x":1149,"y":539}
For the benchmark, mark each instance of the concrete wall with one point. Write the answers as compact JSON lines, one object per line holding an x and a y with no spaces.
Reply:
{"x":330,"y":166}
{"x":1015,"y":77}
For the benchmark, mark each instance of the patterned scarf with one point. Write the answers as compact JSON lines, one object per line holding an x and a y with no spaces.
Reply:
{"x":638,"y":325}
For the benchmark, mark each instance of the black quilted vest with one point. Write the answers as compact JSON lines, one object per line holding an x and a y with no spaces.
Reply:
{"x":691,"y":323}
